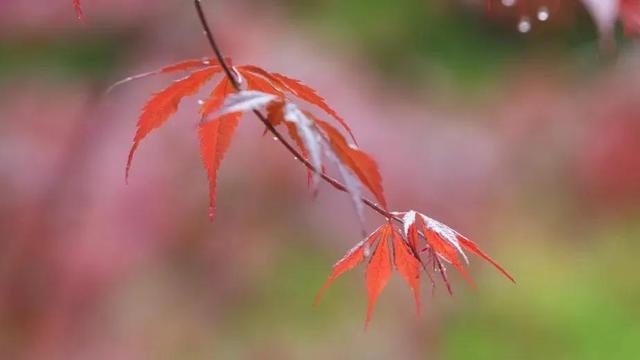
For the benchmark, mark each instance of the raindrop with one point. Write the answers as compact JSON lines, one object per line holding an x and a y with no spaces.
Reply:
{"x":275,"y":138}
{"x":200,"y":102}
{"x":543,"y":13}
{"x":524,"y":25}
{"x":206,"y":62}
{"x":508,"y":3}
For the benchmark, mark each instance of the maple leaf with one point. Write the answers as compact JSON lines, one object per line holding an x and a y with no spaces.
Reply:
{"x":314,"y":137}
{"x":186,"y":65}
{"x":442,"y":244}
{"x":215,"y":137}
{"x":281,"y":83}
{"x":380,"y":265}
{"x":165,"y":103}
{"x":356,"y":160}
{"x":245,"y":100}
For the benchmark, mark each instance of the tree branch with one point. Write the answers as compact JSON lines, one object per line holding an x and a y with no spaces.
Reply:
{"x":234,"y":81}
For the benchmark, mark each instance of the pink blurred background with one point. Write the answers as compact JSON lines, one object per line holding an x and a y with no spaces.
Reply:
{"x":536,"y":159}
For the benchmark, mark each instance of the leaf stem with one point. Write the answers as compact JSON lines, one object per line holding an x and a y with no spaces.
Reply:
{"x":234,"y":81}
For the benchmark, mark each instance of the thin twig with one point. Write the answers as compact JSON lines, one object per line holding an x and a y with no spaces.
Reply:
{"x":234,"y":81}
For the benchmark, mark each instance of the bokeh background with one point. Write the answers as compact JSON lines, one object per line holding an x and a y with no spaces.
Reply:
{"x":527,"y":143}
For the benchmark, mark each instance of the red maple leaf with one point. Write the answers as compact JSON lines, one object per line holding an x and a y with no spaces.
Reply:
{"x":424,"y":243}
{"x":441,"y":245}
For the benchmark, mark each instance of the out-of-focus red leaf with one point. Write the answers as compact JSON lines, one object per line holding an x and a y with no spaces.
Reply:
{"x":378,"y":271}
{"x":164,"y":104}
{"x":630,"y":16}
{"x":408,"y":266}
{"x":78,"y":7}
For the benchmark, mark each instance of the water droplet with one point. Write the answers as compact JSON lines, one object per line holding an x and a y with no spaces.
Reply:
{"x":295,"y":158}
{"x":543,"y":13}
{"x":508,"y":3}
{"x":367,"y":250}
{"x":275,"y":138}
{"x":524,"y":25}
{"x":200,"y":102}
{"x":206,"y":62}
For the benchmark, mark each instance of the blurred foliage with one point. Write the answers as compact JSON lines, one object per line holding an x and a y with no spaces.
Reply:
{"x":419,"y":40}
{"x":60,"y":58}
{"x":575,"y":300}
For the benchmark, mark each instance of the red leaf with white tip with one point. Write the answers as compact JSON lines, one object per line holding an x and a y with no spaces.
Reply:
{"x":308,"y":94}
{"x":275,"y":115}
{"x":310,"y":138}
{"x":300,"y":90}
{"x":362,"y":165}
{"x":244,"y":101}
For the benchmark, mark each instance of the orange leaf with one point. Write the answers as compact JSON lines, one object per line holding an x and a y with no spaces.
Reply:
{"x":352,"y":259}
{"x":216,"y":98}
{"x":258,"y":83}
{"x":444,"y":249}
{"x":186,"y":65}
{"x":275,"y":113}
{"x":215,"y":138}
{"x":408,"y":266}
{"x":308,"y":94}
{"x":302,"y":91}
{"x":362,"y":165}
{"x":471,"y":246}
{"x":378,"y":271}
{"x":164,"y":104}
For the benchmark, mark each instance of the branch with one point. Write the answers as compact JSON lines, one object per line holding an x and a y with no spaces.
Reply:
{"x":234,"y":81}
